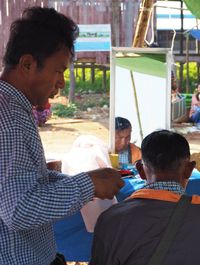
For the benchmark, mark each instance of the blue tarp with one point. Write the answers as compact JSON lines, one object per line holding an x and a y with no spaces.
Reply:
{"x":195,"y":33}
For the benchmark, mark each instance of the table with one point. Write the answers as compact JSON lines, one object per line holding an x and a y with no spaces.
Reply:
{"x":75,"y":242}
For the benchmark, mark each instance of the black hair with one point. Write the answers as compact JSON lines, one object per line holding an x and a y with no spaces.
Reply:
{"x":39,"y":32}
{"x":122,"y":124}
{"x":164,"y":150}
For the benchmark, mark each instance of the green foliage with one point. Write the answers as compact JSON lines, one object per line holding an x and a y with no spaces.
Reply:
{"x":193,"y":79}
{"x":188,"y":99}
{"x":61,"y":110}
{"x":104,"y":101}
{"x":84,"y":89}
{"x":87,"y":85}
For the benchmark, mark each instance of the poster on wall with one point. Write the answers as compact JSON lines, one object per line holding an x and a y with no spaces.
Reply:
{"x":93,"y":37}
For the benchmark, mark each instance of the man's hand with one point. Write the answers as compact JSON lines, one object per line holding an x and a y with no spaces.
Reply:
{"x":107,"y":182}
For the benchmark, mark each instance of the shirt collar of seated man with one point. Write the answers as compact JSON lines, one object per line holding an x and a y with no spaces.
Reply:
{"x":165,"y":158}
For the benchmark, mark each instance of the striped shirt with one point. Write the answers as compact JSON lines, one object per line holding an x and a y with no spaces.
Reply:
{"x":31,"y":196}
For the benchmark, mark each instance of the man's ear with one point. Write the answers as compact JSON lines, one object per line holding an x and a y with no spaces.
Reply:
{"x":26,"y":63}
{"x":140,"y":169}
{"x":189,"y":168}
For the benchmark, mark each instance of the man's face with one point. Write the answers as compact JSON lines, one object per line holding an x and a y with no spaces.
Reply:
{"x":122,"y":139}
{"x":47,"y":80}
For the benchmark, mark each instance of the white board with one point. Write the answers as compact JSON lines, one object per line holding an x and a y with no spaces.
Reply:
{"x":153,"y":95}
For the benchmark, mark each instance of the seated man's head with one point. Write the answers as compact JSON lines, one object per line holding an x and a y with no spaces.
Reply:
{"x":123,"y":130}
{"x":165,"y":157}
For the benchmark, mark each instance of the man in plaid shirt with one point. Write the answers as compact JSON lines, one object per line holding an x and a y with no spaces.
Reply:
{"x":39,"y":49}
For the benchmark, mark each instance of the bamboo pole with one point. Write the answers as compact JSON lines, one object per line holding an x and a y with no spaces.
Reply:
{"x":136,"y":105}
{"x":142,"y":23}
{"x":138,"y":41}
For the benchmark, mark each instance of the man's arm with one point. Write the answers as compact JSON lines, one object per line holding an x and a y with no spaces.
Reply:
{"x":28,"y":197}
{"x":47,"y":202}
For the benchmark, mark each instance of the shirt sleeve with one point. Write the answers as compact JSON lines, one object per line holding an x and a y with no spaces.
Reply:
{"x":31,"y":195}
{"x":55,"y":175}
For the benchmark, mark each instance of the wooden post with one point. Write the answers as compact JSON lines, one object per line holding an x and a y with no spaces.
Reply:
{"x":104,"y":79}
{"x":198,"y":65}
{"x":187,"y":64}
{"x":76,"y":72}
{"x":129,"y":21}
{"x":198,"y":73}
{"x":72,"y":84}
{"x":142,"y":23}
{"x":181,"y":77}
{"x":83,"y":72}
{"x":92,"y":73}
{"x":181,"y":48}
{"x":116,"y":19}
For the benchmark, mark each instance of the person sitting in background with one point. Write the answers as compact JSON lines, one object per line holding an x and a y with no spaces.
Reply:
{"x":128,"y":152}
{"x":42,"y":113}
{"x":129,"y":232}
{"x":194,"y":114}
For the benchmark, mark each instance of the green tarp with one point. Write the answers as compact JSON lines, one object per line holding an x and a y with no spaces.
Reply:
{"x":194,"y":7}
{"x":150,"y":64}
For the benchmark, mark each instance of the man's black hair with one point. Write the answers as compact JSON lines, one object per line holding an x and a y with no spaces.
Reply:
{"x":39,"y":32}
{"x":122,"y":123}
{"x":164,"y":150}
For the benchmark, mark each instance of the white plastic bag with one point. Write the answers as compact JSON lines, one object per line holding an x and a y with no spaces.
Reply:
{"x":88,"y":153}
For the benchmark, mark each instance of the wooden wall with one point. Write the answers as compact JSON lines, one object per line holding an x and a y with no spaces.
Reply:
{"x":121,"y":14}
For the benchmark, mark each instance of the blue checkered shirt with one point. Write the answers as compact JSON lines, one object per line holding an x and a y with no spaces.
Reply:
{"x":123,"y":157}
{"x":31,"y":197}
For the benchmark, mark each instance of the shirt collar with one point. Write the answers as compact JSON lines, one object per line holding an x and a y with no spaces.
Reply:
{"x":11,"y":91}
{"x":172,"y":186}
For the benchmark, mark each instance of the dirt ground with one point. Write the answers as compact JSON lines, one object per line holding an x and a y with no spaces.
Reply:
{"x":59,"y":134}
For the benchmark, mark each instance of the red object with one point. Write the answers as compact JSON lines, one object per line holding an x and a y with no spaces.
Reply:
{"x":125,"y":172}
{"x":47,"y":105}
